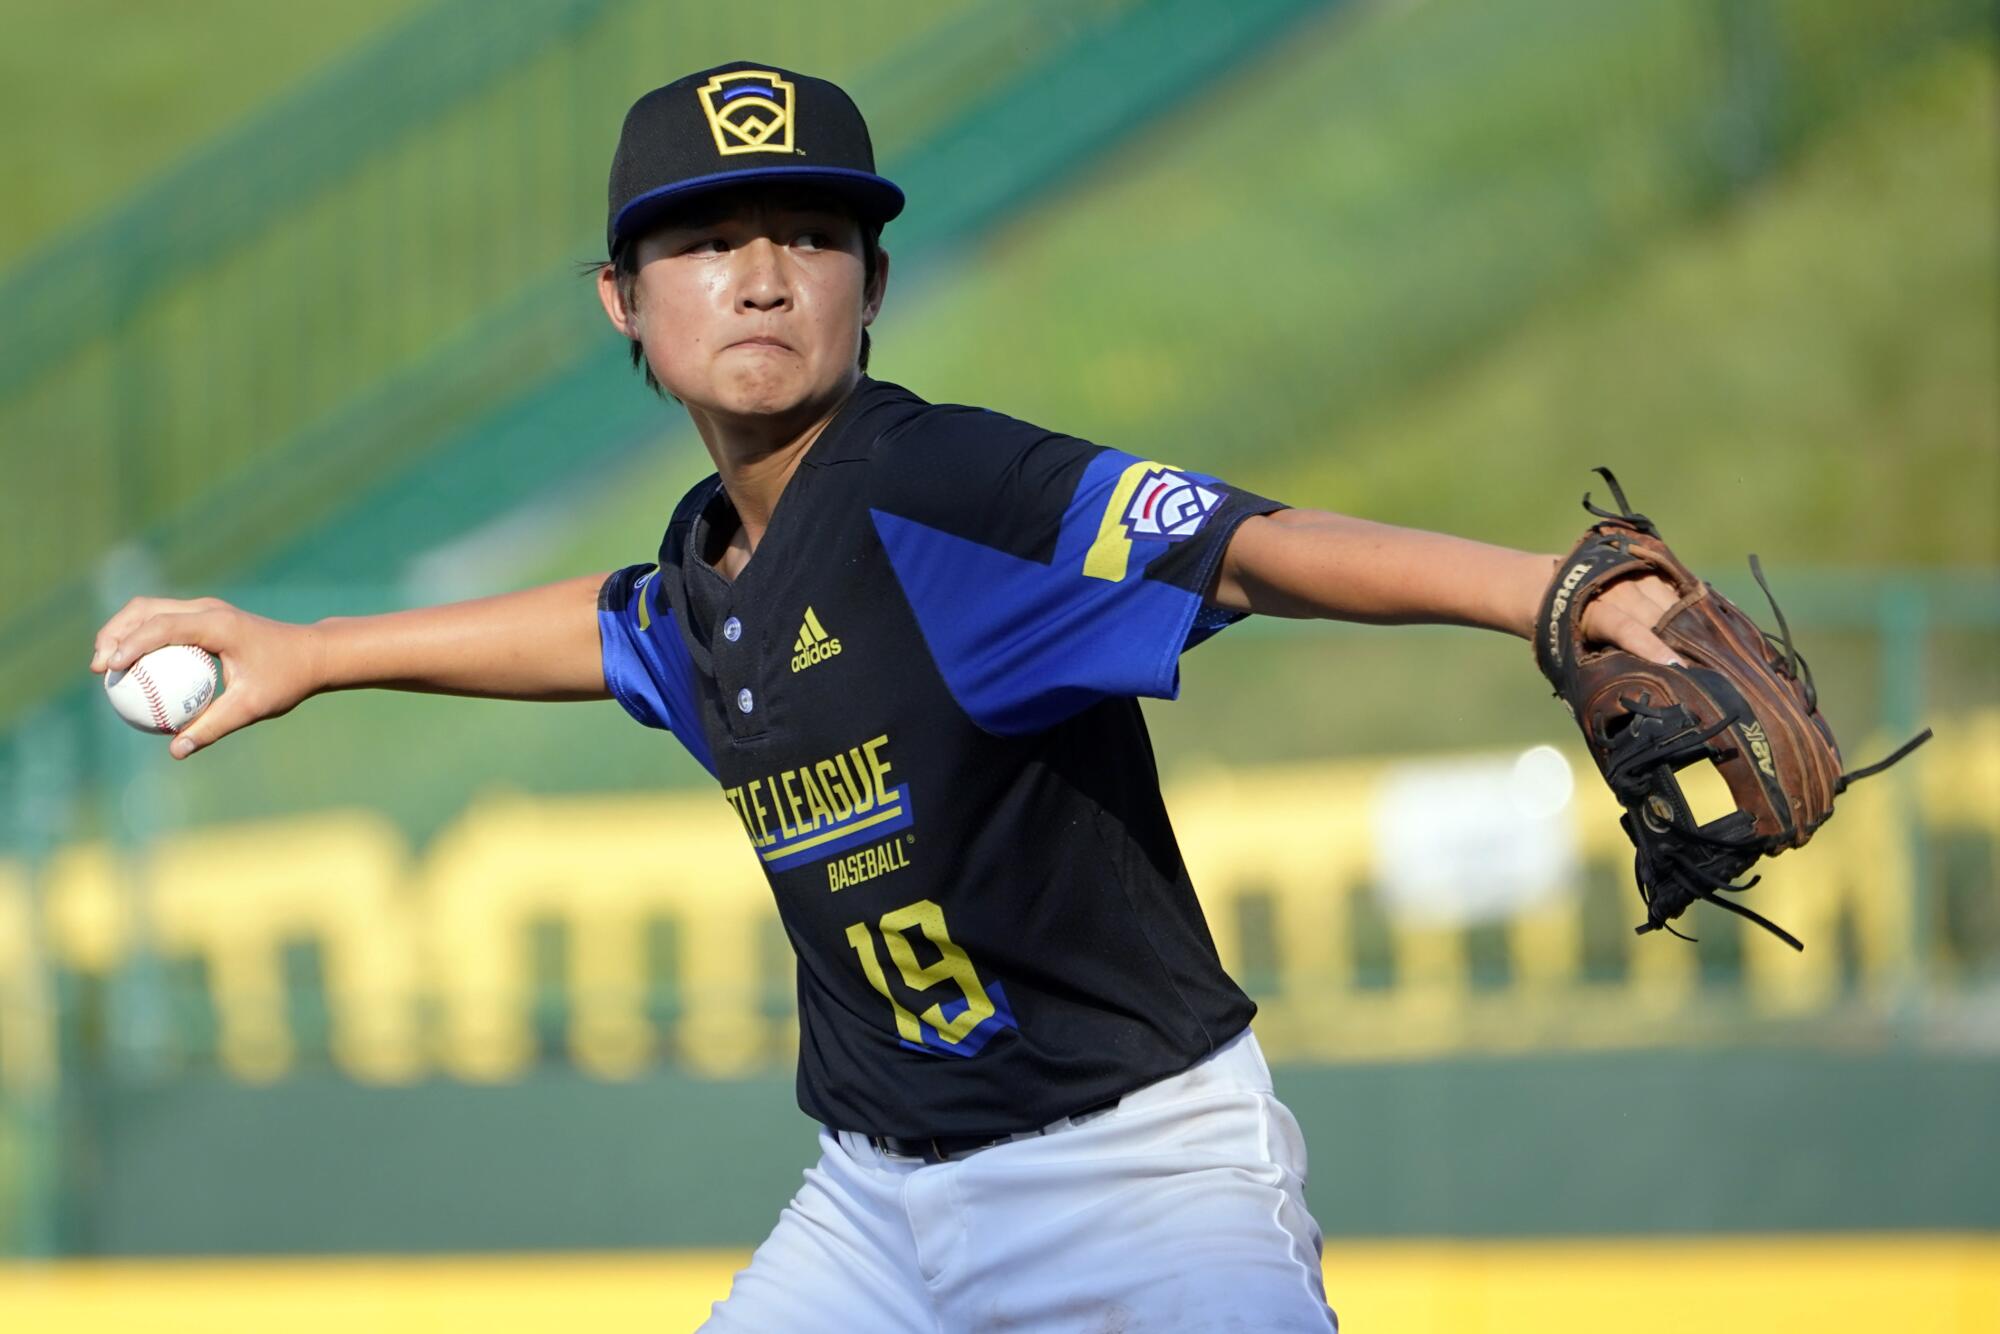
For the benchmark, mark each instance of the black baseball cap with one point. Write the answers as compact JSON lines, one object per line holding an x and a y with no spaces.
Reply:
{"x":740,"y":122}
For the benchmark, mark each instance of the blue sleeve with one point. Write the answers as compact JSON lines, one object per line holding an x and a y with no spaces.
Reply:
{"x":646,"y":666}
{"x":1048,"y":573}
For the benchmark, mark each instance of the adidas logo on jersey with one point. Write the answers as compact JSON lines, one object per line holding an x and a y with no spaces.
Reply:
{"x":813,"y":645}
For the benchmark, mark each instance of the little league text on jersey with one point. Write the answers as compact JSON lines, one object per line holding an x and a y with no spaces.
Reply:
{"x":815,"y":810}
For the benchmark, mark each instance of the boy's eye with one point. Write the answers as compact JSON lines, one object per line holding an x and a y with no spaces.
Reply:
{"x":815,"y":240}
{"x":708,"y":245}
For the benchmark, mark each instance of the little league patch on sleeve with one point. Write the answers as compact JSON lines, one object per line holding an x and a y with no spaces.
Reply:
{"x":1168,"y":504}
{"x":1151,"y":502}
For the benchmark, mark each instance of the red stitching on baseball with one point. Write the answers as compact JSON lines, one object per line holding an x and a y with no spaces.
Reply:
{"x":153,"y":700}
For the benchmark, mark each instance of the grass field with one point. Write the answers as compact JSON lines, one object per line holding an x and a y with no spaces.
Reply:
{"x":1811,"y":363}
{"x":1815,"y":367}
{"x":1210,"y":293}
{"x":97,"y":94}
{"x":1807,"y":373}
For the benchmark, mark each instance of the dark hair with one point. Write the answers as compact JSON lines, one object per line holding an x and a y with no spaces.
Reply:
{"x":624,"y":268}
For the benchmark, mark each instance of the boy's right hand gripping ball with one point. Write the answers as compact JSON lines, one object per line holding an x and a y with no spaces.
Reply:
{"x":164,"y":690}
{"x":1745,"y":701}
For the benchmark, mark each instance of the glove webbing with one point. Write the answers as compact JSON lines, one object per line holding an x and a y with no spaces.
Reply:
{"x":1641,"y":748}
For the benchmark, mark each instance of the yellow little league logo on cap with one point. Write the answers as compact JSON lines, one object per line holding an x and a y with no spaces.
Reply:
{"x":749,"y":111}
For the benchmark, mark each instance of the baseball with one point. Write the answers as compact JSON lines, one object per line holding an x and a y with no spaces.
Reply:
{"x":164,"y":690}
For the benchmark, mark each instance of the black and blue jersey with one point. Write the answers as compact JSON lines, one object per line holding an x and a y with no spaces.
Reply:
{"x":919,"y":697}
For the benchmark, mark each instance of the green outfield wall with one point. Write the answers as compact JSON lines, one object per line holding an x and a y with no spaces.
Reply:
{"x":532,"y":1032}
{"x":1546,"y":1145}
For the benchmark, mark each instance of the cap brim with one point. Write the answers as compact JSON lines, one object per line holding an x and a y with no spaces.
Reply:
{"x":875,"y":198}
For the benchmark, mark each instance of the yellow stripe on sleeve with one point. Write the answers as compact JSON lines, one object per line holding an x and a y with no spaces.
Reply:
{"x":1107,"y":556}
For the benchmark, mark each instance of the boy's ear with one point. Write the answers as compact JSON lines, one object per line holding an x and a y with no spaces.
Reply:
{"x":614,"y":303}
{"x":872,"y":298}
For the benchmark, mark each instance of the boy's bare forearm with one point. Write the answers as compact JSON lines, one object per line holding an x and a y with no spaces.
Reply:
{"x":537,"y":644}
{"x":1310,"y":563}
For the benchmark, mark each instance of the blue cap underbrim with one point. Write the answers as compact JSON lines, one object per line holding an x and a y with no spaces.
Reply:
{"x":875,"y":198}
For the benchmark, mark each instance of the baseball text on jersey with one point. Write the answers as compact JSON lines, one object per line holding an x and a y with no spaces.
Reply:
{"x":815,"y":810}
{"x":892,"y":854}
{"x":814,"y":644}
{"x":749,"y":111}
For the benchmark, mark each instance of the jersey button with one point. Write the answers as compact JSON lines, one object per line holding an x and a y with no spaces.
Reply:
{"x":732,"y":630}
{"x":743,"y":700}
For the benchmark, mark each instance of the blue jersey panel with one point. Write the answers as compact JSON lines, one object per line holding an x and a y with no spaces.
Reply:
{"x":1025,"y":643}
{"x":646,"y":664}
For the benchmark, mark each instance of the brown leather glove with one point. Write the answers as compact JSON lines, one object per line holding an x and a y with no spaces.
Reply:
{"x":1745,"y":700}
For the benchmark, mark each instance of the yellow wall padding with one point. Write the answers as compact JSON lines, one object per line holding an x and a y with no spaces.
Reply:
{"x":1939,"y":1284}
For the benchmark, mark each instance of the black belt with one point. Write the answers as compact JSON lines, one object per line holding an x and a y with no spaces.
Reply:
{"x":944,"y":1148}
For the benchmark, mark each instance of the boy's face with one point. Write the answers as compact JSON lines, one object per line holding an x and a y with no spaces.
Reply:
{"x":751,"y":303}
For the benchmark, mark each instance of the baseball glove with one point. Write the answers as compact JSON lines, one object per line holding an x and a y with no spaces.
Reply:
{"x":1744,"y":701}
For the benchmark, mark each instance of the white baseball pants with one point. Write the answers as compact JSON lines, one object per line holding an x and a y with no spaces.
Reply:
{"x":1180,"y":1209}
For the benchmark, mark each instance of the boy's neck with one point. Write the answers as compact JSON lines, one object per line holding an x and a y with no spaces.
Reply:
{"x":756,"y":457}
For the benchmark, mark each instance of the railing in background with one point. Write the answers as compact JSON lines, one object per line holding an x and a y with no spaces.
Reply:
{"x":504,"y":351}
{"x":435,"y":190}
{"x":382,"y":264}
{"x":541,"y":929}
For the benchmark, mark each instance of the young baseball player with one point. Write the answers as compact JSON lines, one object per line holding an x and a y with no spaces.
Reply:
{"x":908,"y":640}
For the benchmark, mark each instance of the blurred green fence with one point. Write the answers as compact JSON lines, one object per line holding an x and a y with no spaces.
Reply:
{"x":265,"y":324}
{"x":381,"y":271}
{"x":385,"y":268}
